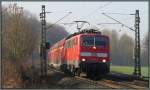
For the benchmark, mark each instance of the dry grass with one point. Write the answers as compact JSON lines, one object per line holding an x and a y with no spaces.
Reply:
{"x":10,"y":76}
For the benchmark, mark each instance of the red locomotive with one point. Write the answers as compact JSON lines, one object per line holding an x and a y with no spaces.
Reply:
{"x":85,"y":51}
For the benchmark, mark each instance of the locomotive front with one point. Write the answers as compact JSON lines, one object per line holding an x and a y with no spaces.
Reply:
{"x":94,"y":54}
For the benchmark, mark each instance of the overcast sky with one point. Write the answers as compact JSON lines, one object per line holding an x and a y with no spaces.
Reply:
{"x":91,"y":12}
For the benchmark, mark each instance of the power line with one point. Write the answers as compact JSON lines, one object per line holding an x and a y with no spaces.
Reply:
{"x":118,"y":22}
{"x":77,"y":22}
{"x":94,"y":11}
{"x":121,"y":13}
{"x":125,"y":19}
{"x":70,"y":24}
{"x":82,"y":24}
{"x":67,"y":23}
{"x":90,"y":14}
{"x":107,"y":23}
{"x":59,"y":20}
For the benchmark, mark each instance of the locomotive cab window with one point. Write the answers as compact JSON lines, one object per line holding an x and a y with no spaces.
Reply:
{"x":101,"y":41}
{"x":87,"y":41}
{"x":94,"y":41}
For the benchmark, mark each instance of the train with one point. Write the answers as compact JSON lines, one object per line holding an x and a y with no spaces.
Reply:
{"x":86,"y":51}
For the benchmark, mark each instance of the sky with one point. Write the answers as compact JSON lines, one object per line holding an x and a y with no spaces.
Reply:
{"x":92,"y":13}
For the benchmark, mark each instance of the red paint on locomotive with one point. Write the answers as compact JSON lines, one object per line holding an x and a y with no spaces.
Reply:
{"x":87,"y":47}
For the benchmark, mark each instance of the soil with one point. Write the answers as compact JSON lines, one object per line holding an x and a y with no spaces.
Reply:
{"x":59,"y":80}
{"x":53,"y":80}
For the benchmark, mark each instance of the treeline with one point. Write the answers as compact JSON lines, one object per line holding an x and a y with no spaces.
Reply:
{"x":21,"y":33}
{"x":56,"y":33}
{"x":122,"y":49}
{"x":19,"y":39}
{"x":21,"y":36}
{"x":144,"y":51}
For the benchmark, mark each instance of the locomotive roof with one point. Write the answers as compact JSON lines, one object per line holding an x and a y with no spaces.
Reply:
{"x":83,"y":32}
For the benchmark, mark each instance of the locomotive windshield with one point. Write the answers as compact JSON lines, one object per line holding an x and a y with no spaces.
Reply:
{"x":94,"y":41}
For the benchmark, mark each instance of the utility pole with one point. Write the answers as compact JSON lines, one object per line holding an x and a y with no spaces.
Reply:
{"x":137,"y":66}
{"x":43,"y":42}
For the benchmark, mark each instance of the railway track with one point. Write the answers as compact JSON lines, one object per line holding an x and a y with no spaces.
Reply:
{"x":92,"y":84}
{"x":112,"y":84}
{"x":95,"y":84}
{"x":106,"y":83}
{"x":123,"y":84}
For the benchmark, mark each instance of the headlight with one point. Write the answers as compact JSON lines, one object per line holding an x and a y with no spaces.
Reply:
{"x":104,"y":60}
{"x":94,"y":47}
{"x":83,"y":59}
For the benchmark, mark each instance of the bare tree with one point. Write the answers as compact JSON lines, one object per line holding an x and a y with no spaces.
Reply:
{"x":144,"y":51}
{"x":20,"y":37}
{"x":126,"y":46}
{"x":121,"y":49}
{"x":113,"y":35}
{"x":56,"y":33}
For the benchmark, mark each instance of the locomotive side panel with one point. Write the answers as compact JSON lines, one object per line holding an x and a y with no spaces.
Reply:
{"x":72,"y":51}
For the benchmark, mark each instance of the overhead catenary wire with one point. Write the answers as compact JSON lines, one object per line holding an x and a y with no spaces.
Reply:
{"x":125,"y":19}
{"x":70,"y":24}
{"x":67,"y":23}
{"x":122,"y":25}
{"x":107,"y":23}
{"x":137,"y":67}
{"x":85,"y":16}
{"x":120,"y":13}
{"x":90,"y":14}
{"x":58,"y":20}
{"x":118,"y":21}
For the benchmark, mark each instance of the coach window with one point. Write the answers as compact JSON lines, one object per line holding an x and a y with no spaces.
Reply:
{"x":75,"y":41}
{"x":71,"y":43}
{"x":66,"y":45}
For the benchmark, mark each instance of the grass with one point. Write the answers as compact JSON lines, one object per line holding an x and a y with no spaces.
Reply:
{"x":129,"y":70}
